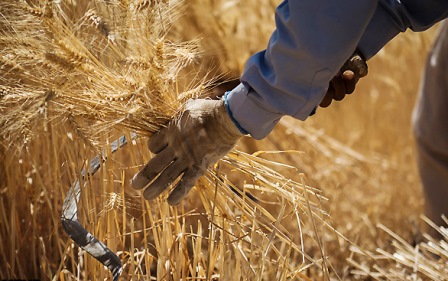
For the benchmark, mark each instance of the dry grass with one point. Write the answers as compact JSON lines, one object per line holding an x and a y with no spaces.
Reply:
{"x":70,"y":78}
{"x":425,"y":261}
{"x":78,"y":73}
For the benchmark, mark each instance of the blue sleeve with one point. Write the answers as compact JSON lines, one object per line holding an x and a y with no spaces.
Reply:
{"x":312,"y":40}
{"x":392,"y":17}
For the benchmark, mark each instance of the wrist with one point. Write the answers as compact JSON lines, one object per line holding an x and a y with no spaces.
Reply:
{"x":248,"y":115}
{"x":229,"y":125}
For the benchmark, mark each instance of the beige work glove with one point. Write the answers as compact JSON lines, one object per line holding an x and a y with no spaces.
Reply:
{"x":197,"y":138}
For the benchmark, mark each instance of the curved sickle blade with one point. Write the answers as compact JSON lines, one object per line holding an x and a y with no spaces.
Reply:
{"x":77,"y":232}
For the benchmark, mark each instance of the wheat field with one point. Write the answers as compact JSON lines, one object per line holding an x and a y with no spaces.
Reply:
{"x":336,"y":197}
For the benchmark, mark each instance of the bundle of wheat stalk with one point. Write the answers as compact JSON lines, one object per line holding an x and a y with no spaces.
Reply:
{"x":74,"y":74}
{"x":54,"y":59}
{"x":426,"y":260}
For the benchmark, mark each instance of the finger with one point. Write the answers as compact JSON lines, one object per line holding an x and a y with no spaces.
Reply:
{"x":152,"y":168}
{"x":348,"y":75}
{"x":158,"y":141}
{"x":350,"y":86}
{"x":184,"y":186}
{"x":339,"y":88}
{"x":168,"y":176}
{"x":350,"y":81}
{"x":328,"y":97}
{"x":356,"y":64}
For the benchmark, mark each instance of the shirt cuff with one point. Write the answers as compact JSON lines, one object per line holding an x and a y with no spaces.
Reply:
{"x":247,"y":115}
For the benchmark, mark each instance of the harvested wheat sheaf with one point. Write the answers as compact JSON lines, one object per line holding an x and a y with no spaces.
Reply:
{"x":76,"y":73}
{"x":63,"y":61}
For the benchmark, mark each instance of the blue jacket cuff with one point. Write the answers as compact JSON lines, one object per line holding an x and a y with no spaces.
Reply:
{"x":229,"y":112}
{"x":248,"y":116}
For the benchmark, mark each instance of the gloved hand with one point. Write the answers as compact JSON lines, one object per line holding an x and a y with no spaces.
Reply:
{"x":344,"y":82}
{"x":201,"y":135}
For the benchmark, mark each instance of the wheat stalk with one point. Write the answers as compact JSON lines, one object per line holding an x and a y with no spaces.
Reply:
{"x":427,"y":260}
{"x":95,"y":67}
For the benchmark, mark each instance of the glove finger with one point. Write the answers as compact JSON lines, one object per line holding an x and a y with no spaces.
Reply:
{"x":184,"y":186}
{"x":158,"y":141}
{"x":169,"y":175}
{"x":328,"y":97}
{"x":152,"y":168}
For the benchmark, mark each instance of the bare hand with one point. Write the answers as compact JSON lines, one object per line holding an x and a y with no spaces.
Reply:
{"x":345,"y":81}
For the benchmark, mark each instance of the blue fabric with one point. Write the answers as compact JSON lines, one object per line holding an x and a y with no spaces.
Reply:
{"x":258,"y":121}
{"x":392,"y":17}
{"x":229,"y":112}
{"x":312,"y":40}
